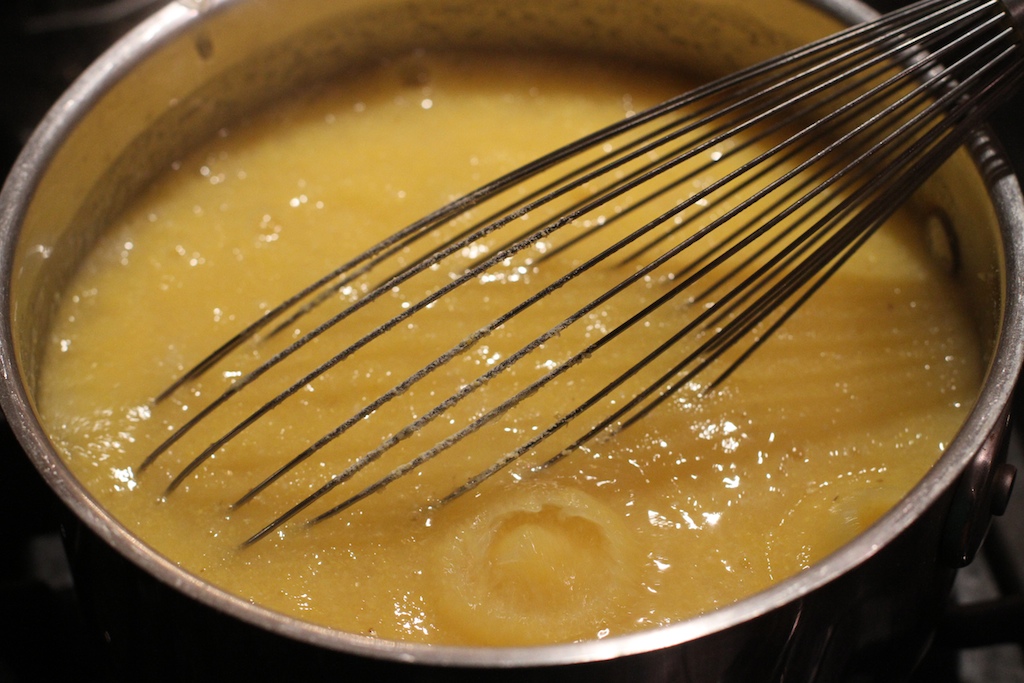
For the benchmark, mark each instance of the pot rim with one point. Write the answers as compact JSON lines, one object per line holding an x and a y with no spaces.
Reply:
{"x":176,"y":18}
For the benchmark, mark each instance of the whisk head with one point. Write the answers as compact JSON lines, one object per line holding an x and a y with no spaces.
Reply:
{"x":650,"y":258}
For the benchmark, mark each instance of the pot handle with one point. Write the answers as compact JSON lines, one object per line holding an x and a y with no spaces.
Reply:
{"x":983,"y":491}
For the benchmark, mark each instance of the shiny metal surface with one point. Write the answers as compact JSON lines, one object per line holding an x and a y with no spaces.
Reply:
{"x":867,"y":610}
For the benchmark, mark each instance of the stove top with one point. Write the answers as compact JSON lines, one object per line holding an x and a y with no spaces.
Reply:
{"x":44,"y":45}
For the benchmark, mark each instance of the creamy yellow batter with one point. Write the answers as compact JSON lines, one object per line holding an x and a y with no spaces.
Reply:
{"x":709,"y":499}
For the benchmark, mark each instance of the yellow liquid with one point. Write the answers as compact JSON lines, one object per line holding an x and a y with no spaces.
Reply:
{"x":708,"y":500}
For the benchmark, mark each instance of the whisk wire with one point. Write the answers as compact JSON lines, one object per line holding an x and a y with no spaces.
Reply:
{"x":517,"y":176}
{"x":837,"y":250}
{"x":891,"y":100}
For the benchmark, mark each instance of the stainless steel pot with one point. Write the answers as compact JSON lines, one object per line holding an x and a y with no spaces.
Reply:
{"x":866,"y":611}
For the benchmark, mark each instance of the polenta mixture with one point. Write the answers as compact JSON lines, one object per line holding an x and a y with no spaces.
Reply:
{"x":711,"y":497}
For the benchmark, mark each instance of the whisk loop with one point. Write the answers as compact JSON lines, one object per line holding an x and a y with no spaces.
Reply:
{"x":851,"y":126}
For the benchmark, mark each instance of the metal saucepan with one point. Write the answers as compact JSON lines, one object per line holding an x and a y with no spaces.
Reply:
{"x":868,"y":609}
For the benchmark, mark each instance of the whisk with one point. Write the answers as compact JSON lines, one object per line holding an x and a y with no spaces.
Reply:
{"x":848,"y":127}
